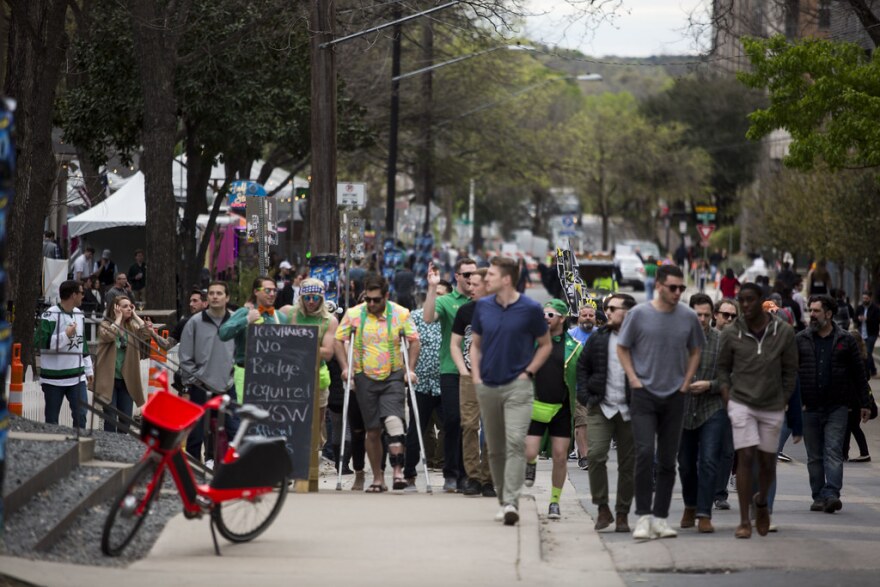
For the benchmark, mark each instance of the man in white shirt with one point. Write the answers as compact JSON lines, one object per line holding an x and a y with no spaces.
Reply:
{"x":603,"y":389}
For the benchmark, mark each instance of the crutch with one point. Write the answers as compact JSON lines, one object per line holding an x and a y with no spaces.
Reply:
{"x":415,"y":406}
{"x":345,"y":409}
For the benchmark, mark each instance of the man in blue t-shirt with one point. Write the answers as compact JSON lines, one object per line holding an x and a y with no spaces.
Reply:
{"x":581,"y":332}
{"x":504,"y":358}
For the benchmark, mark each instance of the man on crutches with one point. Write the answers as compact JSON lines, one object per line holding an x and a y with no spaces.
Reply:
{"x":348,"y":383}
{"x":378,"y":371}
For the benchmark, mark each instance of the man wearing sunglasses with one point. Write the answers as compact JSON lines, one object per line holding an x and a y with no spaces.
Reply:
{"x":444,"y":309}
{"x":378,"y":372}
{"x":259,"y":309}
{"x":659,"y":348}
{"x":603,"y":392}
{"x":726,"y":311}
{"x":555,"y":388}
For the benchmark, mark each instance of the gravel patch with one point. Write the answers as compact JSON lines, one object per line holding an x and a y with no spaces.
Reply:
{"x":28,"y":525}
{"x":25,"y":458}
{"x":82,"y":543}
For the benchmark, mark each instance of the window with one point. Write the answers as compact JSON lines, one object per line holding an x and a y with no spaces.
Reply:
{"x":824,"y":14}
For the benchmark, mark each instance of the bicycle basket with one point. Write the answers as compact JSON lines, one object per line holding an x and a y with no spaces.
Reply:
{"x":167,"y":420}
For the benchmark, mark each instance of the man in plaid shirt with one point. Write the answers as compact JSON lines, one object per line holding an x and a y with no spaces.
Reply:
{"x":704,"y":426}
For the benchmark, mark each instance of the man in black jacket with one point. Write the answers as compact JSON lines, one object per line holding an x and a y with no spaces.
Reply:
{"x":868,"y":316}
{"x":603,"y":388}
{"x":832,"y":377}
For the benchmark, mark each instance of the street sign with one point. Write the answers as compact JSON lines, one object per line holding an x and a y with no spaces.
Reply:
{"x":351,"y":194}
{"x":238,"y":192}
{"x":706,"y":209}
{"x":705,"y":231}
{"x":568,"y":221}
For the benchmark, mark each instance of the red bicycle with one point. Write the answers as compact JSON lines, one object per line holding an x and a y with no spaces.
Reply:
{"x":244,"y":496}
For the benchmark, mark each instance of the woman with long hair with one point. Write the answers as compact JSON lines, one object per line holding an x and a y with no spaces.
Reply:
{"x":122,"y":337}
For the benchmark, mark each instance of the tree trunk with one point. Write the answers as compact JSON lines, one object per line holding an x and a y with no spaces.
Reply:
{"x":157,"y":27}
{"x":868,"y":19}
{"x":198,"y":175}
{"x":37,"y":46}
{"x":323,"y":212}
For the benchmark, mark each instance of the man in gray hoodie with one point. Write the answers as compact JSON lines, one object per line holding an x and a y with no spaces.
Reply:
{"x":757,"y":367}
{"x":206,"y":361}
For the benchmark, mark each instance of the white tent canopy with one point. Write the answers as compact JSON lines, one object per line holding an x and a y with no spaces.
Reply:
{"x":126,"y":207}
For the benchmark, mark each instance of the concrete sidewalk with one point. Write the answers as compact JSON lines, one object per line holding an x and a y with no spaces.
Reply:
{"x":354,"y":538}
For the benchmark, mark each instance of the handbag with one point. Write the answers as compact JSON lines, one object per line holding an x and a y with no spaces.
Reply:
{"x":872,"y":405}
{"x":544,"y":412}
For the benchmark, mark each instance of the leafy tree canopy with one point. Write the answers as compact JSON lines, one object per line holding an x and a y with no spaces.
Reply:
{"x":826,"y":94}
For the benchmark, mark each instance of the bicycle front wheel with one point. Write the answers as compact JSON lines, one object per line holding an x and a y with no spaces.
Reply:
{"x":132,"y":506}
{"x":242,"y":520}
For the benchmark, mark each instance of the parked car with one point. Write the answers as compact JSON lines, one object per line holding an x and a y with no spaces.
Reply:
{"x":646,"y":248}
{"x":632,"y":271}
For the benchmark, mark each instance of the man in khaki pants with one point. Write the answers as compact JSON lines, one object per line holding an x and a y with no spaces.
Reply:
{"x":504,"y":359}
{"x":476,"y":459}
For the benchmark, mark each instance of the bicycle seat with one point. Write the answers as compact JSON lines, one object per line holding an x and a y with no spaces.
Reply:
{"x":252,"y":413}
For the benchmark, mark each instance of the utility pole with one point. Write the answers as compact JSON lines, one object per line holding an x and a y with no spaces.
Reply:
{"x":426,"y":157}
{"x":392,"y":134}
{"x":322,"y":196}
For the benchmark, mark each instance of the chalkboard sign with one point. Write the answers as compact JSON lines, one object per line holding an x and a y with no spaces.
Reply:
{"x":281,"y":374}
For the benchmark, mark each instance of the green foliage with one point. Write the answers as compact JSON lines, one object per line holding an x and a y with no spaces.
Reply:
{"x":826,"y":94}
{"x":721,"y":238}
{"x":242,"y":83}
{"x":714,"y":111}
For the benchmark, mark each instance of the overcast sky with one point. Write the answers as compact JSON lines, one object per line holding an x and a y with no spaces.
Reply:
{"x":640,"y":29}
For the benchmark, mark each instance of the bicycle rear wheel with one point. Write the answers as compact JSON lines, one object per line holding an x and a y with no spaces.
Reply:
{"x":131,"y":507}
{"x":241,"y":520}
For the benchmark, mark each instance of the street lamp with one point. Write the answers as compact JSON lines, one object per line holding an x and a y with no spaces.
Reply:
{"x":396,"y":77}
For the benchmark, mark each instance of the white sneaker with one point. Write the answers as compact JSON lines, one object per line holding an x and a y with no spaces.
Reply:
{"x":499,"y":517}
{"x":511,"y":515}
{"x":209,"y":464}
{"x":660,"y":529}
{"x":643,"y":528}
{"x":731,"y":485}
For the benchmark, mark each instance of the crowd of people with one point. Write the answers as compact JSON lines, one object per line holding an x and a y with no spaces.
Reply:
{"x":710,"y":389}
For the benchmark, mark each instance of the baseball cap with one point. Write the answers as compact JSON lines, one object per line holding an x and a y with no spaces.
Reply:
{"x":285,"y":265}
{"x":558,"y":305}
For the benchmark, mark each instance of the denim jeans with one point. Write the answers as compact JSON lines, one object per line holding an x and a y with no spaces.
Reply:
{"x":453,"y":467}
{"x":725,"y":462}
{"x":77,"y":398}
{"x":870,"y":367}
{"x":660,"y":419}
{"x":698,"y":458}
{"x":824,"y":433}
{"x":122,"y":402}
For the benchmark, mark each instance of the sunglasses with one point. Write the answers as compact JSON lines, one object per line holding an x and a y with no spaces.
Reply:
{"x":676,"y":288}
{"x":728,"y":315}
{"x":311,"y":298}
{"x":268,"y":290}
{"x":610,"y":309}
{"x":372,"y":300}
{"x":467,"y":274}
{"x":551,"y":314}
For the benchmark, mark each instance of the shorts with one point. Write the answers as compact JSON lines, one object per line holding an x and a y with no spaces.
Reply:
{"x":753,"y":427}
{"x":580,"y":415}
{"x":381,"y":399}
{"x":323,"y":398}
{"x":558,"y":427}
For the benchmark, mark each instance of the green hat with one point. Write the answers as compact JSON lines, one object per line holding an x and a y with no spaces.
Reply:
{"x":558,"y":305}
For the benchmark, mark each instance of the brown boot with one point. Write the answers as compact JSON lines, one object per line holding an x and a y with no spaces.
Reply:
{"x":689,"y":517}
{"x":605,"y":518}
{"x":621,"y":523}
{"x":704,"y":526}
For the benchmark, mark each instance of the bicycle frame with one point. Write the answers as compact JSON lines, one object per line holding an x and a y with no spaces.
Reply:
{"x":198,"y":498}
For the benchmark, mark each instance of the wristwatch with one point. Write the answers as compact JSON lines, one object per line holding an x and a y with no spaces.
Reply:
{"x":530,"y":374}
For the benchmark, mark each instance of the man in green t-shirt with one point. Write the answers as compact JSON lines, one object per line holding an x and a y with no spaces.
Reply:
{"x":443,"y":309}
